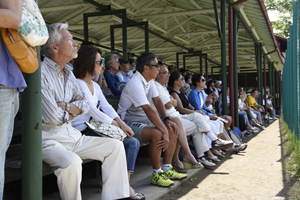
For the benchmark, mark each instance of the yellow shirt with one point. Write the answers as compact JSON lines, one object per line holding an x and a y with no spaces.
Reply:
{"x":250,"y":101}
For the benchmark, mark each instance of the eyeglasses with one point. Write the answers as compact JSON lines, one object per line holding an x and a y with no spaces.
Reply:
{"x":157,"y":66}
{"x":165,"y":73}
{"x":161,"y":63}
{"x":203,"y":80}
{"x":99,"y":62}
{"x":182,"y":78}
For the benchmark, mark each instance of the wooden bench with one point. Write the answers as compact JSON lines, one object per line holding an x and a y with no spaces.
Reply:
{"x":13,"y":164}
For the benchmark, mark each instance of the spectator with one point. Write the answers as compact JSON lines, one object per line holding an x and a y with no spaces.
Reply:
{"x":256,"y":108}
{"x":197,"y":100}
{"x":210,"y":86}
{"x":136,"y":111}
{"x":63,"y":146}
{"x":191,"y":122}
{"x":187,"y":87}
{"x":217,"y":85}
{"x":84,"y":71}
{"x":11,"y":81}
{"x":270,"y":108}
{"x":171,"y":68}
{"x":123,"y":73}
{"x":112,"y":66}
{"x":250,"y":115}
{"x":132,"y":67}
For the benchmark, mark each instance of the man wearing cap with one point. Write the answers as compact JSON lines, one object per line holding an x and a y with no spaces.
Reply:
{"x":250,"y":101}
{"x":210,"y":86}
{"x":123,"y":73}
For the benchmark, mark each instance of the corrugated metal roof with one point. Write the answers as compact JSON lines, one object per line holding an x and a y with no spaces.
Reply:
{"x":190,"y":23}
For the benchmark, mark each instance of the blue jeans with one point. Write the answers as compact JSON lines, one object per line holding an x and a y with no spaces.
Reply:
{"x":245,"y":116}
{"x":9,"y":105}
{"x":131,"y":145}
{"x":258,"y":116}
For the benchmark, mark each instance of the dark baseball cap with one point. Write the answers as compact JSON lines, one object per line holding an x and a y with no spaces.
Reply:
{"x":123,"y":60}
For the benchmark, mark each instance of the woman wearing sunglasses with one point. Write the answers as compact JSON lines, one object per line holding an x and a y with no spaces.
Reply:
{"x":86,"y":66}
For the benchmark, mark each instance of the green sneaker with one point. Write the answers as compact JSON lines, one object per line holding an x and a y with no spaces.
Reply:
{"x":172,"y":174}
{"x":161,"y":180}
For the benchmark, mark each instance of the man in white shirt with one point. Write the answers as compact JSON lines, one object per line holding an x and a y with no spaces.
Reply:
{"x":63,"y":146}
{"x":135,"y":109}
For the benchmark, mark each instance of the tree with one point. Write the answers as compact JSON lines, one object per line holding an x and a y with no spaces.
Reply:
{"x":285,"y":9}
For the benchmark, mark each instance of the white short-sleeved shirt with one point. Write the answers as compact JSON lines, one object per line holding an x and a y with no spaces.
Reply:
{"x":136,"y":93}
{"x":165,"y":97}
{"x":241,"y":104}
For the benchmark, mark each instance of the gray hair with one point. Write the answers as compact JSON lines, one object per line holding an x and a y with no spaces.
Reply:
{"x":109,"y":59}
{"x":54,"y":37}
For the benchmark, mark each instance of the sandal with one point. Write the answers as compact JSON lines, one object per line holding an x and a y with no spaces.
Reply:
{"x":137,"y":195}
{"x":215,"y":159}
{"x":179,"y":169}
{"x":191,"y":165}
{"x":217,"y":153}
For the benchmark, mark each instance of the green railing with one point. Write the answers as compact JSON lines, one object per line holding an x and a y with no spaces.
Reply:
{"x":290,"y":77}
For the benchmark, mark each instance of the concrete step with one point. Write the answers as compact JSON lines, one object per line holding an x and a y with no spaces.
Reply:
{"x":140,"y":181}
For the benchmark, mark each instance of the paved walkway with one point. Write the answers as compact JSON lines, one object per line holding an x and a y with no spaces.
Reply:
{"x":253,"y":174}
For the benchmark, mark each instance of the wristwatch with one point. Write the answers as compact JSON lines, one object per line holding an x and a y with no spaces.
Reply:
{"x":68,"y":107}
{"x":166,"y":118}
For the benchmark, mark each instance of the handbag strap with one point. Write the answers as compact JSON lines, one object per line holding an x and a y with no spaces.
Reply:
{"x":98,"y":104}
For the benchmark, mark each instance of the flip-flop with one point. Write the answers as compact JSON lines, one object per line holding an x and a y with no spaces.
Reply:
{"x":138,"y":196}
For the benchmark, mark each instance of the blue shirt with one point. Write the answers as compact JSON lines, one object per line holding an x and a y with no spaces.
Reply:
{"x":194,"y":98}
{"x":112,"y":80}
{"x":126,"y":77}
{"x":10,"y":73}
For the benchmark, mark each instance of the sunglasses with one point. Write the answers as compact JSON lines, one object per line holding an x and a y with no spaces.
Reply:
{"x":165,"y":73}
{"x":203,"y":80}
{"x":161,"y":63}
{"x":99,"y":62}
{"x":182,"y":78}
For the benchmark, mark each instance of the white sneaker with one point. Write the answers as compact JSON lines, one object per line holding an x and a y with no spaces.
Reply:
{"x":206,"y":163}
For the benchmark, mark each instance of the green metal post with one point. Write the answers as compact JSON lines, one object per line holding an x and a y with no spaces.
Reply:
{"x":124,"y":33}
{"x":273,"y":82}
{"x":206,"y":66}
{"x":277,"y":90}
{"x":86,"y":28}
{"x":235,"y":69}
{"x":32,"y":136}
{"x":259,"y":73}
{"x":147,"y":37}
{"x":112,"y":38}
{"x":200,"y":65}
{"x":177,"y":61}
{"x":270,"y":77}
{"x":223,"y":57}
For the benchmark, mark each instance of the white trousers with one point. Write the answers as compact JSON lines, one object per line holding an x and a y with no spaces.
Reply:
{"x":216,"y":126}
{"x":65,"y":147}
{"x":195,"y":124}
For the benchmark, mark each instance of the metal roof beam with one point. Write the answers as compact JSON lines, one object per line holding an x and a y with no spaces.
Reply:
{"x":58,"y":8}
{"x":190,"y":12}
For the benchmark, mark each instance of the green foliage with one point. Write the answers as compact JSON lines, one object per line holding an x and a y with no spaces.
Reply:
{"x":285,"y":9}
{"x":293,"y":146}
